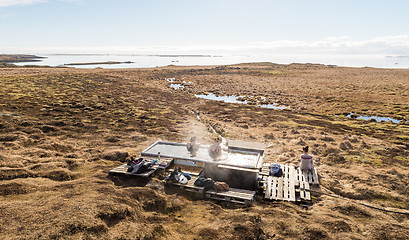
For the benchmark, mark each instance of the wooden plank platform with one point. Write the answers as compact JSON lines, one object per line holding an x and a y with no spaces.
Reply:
{"x":123,"y":169}
{"x":234,"y":195}
{"x":311,"y":177}
{"x":190,"y":186}
{"x":292,"y":186}
{"x":281,"y":188}
{"x":304,"y":185}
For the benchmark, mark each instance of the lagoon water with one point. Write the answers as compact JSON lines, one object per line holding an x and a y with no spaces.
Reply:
{"x":142,"y":61}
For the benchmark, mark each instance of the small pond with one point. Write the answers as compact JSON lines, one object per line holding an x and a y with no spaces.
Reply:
{"x":177,"y":86}
{"x":238,"y":99}
{"x":376,"y":118}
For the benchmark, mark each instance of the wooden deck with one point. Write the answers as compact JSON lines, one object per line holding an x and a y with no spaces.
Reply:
{"x":292,"y":186}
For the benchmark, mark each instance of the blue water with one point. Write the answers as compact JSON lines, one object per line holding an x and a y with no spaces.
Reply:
{"x":236,"y":99}
{"x":177,"y":86}
{"x":142,"y":61}
{"x":226,"y":99}
{"x":378,"y":119}
{"x":272,"y":106}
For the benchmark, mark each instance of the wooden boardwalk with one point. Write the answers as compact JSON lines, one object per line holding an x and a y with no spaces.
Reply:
{"x":292,"y":186}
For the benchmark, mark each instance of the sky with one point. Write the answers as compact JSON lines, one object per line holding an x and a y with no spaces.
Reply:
{"x":206,"y":26}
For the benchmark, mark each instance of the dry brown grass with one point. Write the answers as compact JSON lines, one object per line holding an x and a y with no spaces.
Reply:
{"x":61,"y":130}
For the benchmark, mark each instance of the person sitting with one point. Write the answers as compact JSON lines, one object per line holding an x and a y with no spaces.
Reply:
{"x":177,"y":176}
{"x":306,"y":160}
{"x":215,"y":149}
{"x":192,"y":146}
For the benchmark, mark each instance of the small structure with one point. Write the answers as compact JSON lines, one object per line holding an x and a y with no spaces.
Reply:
{"x":241,"y":165}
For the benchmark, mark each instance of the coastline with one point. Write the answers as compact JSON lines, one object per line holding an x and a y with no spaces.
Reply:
{"x":16,"y":58}
{"x":97,"y":63}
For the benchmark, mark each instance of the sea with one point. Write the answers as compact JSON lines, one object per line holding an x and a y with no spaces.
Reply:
{"x":158,"y":60}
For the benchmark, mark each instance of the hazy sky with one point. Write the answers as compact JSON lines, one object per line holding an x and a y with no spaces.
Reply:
{"x":138,"y":26}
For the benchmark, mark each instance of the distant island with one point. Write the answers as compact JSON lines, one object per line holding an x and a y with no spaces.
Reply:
{"x":399,"y":56}
{"x":15,"y":58}
{"x":186,"y":55}
{"x":97,"y":63}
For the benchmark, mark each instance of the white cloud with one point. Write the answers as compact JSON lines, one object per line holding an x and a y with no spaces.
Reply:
{"x":386,"y":45}
{"x":379,"y":45}
{"x":341,"y":38}
{"x":7,"y":3}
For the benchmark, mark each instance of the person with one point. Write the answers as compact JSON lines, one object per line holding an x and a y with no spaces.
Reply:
{"x":192,"y":146}
{"x":177,"y":176}
{"x":306,"y":160}
{"x":215,"y":149}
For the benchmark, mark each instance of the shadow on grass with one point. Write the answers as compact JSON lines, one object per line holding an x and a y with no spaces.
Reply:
{"x":128,"y":181}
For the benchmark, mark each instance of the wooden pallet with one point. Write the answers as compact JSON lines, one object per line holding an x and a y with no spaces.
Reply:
{"x":281,"y":188}
{"x":311,"y":177}
{"x":293,"y":186}
{"x":302,"y":178}
{"x":123,"y":169}
{"x":234,"y":195}
{"x":190,"y":186}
